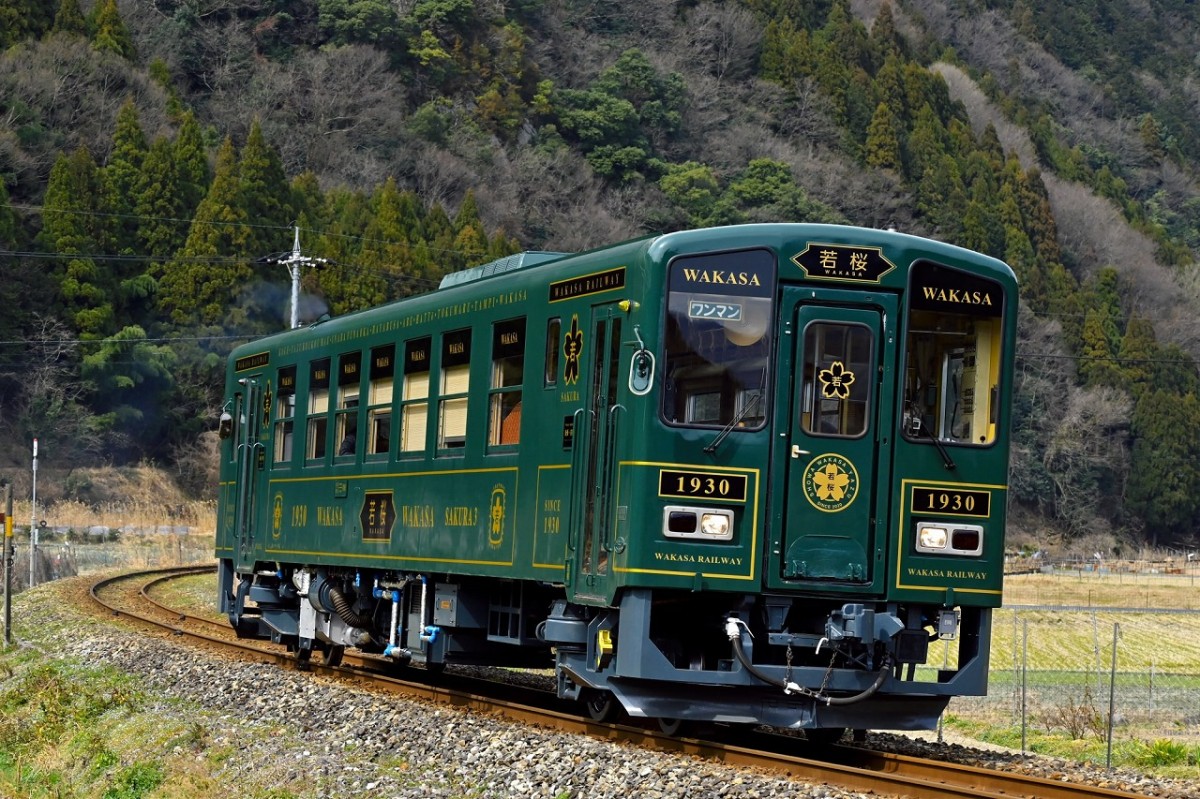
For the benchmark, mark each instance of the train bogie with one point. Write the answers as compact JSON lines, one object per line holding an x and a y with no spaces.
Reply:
{"x":740,"y":474}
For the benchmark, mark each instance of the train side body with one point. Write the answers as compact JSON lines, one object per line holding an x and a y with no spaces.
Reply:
{"x":739,"y":474}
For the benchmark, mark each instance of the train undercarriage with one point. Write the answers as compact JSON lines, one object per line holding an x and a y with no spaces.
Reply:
{"x":780,"y":660}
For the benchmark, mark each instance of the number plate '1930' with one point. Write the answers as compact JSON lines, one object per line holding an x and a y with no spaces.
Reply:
{"x":702,"y":485}
{"x":951,"y":501}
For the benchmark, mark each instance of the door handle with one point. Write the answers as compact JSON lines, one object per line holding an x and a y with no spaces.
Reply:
{"x":797,"y":452}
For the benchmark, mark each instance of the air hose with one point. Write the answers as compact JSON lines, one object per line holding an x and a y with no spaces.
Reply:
{"x":733,"y":630}
{"x":342,"y":606}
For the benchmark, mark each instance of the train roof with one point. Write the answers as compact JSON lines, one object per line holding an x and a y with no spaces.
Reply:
{"x":666,"y":245}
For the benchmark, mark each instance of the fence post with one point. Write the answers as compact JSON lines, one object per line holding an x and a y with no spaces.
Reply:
{"x":1024,"y":677}
{"x":1112,"y":692}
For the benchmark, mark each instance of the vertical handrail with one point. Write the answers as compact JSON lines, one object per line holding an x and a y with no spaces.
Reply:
{"x":578,"y":447}
{"x":608,"y":465}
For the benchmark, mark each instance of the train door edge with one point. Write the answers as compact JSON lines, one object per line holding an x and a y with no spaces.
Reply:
{"x":594,"y":455}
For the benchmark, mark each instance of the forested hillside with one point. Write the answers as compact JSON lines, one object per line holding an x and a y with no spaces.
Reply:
{"x":156,"y":156}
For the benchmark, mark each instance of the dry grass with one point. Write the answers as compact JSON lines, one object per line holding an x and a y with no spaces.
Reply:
{"x":139,"y":515}
{"x":1120,"y":589}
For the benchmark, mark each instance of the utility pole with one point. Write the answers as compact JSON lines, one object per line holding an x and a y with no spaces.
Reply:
{"x":293,"y":261}
{"x":8,"y":555}
{"x":33,"y":530}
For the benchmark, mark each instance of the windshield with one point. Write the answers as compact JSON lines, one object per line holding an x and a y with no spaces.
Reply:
{"x":719,"y":312}
{"x":952,"y":356}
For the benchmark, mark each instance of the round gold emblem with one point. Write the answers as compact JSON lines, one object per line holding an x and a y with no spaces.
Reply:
{"x":830,"y":482}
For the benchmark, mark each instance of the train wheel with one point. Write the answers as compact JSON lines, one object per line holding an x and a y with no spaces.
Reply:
{"x":601,"y":706}
{"x":824,"y":736}
{"x":333,"y":655}
{"x":673,"y":727}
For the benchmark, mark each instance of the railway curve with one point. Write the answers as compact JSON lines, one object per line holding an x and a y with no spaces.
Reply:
{"x":850,"y":768}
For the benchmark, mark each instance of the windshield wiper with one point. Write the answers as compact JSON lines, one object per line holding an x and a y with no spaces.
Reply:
{"x":737,"y":419}
{"x":918,"y":428}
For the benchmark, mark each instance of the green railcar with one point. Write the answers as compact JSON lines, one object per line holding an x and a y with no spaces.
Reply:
{"x":741,"y":474}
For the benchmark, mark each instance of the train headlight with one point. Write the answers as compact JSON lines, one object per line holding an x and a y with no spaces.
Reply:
{"x":701,"y":524}
{"x":715,"y":525}
{"x":949,"y":539}
{"x":931,"y":539}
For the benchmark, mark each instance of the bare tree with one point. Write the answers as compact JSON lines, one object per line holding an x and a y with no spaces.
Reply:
{"x":49,"y":405}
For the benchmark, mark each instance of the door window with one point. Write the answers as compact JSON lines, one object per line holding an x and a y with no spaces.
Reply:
{"x":836,"y":397}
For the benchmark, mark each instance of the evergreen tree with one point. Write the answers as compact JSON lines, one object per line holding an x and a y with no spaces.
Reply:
{"x":264,"y":194}
{"x":131,"y":382}
{"x":1139,"y":351}
{"x":111,"y":35}
{"x":69,"y":19}
{"x":1097,"y":362}
{"x":122,"y":174}
{"x":883,"y":142}
{"x":885,"y":39}
{"x":191,"y":162}
{"x":23,"y":19}
{"x":160,"y":204}
{"x":74,"y":215}
{"x":202,"y":285}
{"x":1164,"y":480}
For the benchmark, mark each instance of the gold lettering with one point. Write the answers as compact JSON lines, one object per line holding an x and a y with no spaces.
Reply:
{"x":417,"y":516}
{"x":721,"y":277}
{"x":460,"y":516}
{"x":329,"y":515}
{"x":956,"y":296}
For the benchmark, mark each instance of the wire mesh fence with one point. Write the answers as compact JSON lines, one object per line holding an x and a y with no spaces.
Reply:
{"x":1115,"y":675}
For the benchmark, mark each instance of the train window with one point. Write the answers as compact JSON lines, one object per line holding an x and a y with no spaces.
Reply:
{"x":285,"y":412}
{"x":346,"y":416}
{"x":318,"y":409}
{"x":718,"y":339}
{"x":553,"y":334}
{"x":379,"y":401}
{"x":455,"y":383}
{"x":952,"y":356}
{"x":508,"y":374}
{"x":414,"y":398}
{"x":837,"y":379}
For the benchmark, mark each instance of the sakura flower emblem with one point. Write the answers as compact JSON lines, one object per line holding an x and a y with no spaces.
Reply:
{"x":831,"y":483}
{"x":836,"y":381}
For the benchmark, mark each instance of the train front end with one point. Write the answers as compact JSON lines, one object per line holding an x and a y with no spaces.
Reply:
{"x":808,"y":447}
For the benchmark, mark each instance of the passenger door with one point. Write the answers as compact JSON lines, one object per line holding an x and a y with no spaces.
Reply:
{"x":249,"y":459}
{"x":593,"y":460}
{"x":834,"y":459}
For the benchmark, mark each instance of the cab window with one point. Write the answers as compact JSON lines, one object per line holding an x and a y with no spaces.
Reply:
{"x":952,"y":356}
{"x":718,"y":339}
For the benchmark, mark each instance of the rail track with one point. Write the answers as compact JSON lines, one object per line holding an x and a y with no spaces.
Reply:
{"x":129,"y":596}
